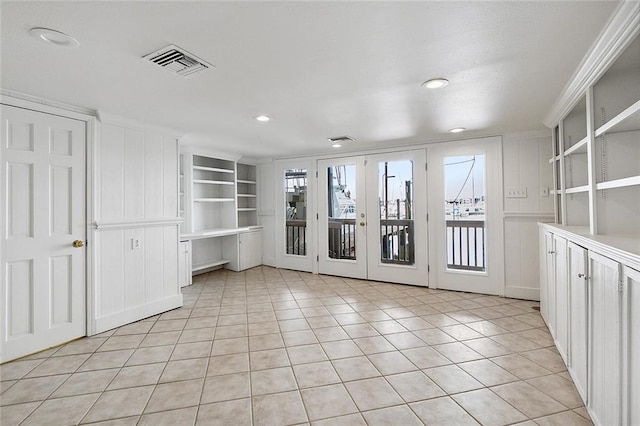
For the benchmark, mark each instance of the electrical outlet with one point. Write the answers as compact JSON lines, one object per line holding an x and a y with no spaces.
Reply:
{"x":517,"y":192}
{"x":135,"y":243}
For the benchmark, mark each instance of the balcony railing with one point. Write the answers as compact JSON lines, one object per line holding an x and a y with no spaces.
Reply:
{"x":466,"y":245}
{"x":342,"y":238}
{"x":296,"y":232}
{"x":397,"y":241}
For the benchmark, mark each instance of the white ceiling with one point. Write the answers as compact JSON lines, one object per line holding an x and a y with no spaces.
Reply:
{"x":320,"y":69}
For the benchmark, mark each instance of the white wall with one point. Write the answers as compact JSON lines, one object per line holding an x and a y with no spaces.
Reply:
{"x":135,"y":198}
{"x":525,"y":166}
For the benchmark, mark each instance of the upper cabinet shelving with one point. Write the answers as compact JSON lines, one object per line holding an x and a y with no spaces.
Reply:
{"x":596,"y":158}
{"x":247,"y":196}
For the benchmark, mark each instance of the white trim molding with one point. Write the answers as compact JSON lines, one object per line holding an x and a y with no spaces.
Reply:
{"x":618,"y":33}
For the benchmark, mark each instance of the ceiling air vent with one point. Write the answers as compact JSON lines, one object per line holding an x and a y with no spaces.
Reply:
{"x":178,"y":61}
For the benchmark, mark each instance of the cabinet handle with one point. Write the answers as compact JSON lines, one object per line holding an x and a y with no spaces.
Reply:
{"x":583,"y":276}
{"x":551,"y":252}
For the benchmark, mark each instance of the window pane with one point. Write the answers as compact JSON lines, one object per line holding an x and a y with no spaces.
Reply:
{"x":295,"y":189}
{"x":465,"y":212}
{"x":395,"y":200}
{"x":341,"y":214}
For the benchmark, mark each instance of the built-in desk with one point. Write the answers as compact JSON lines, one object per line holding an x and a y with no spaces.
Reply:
{"x":240,"y":248}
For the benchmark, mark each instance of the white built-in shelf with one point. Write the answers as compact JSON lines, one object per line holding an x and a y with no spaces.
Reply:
{"x":627,"y":120}
{"x":578,"y":148}
{"x":247,"y":209}
{"x":556,"y":158}
{"x":212,"y":169}
{"x":250,"y":182}
{"x":619,"y":183}
{"x":212,"y":182}
{"x":220,"y":262}
{"x":212,"y":200}
{"x":577,"y":189}
{"x":247,"y":195}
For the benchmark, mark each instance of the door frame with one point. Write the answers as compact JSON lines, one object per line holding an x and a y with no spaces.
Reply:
{"x":44,"y":106}
{"x":492,"y":279}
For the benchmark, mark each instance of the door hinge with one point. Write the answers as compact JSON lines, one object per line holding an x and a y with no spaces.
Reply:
{"x":317,"y":216}
{"x":316,"y":174}
{"x":620,"y":286}
{"x":428,"y":268}
{"x":427,"y":217}
{"x":318,"y":258}
{"x":426,"y":166}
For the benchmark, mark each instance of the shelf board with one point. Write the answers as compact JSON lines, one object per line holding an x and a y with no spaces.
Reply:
{"x":619,"y":183}
{"x":578,"y":148}
{"x":251,"y":182}
{"x":247,"y":209}
{"x":209,"y":265}
{"x":212,"y":200}
{"x":212,"y":169}
{"x":212,"y":182}
{"x":556,"y":158}
{"x":577,"y":189}
{"x":246,"y":195}
{"x":627,"y":120}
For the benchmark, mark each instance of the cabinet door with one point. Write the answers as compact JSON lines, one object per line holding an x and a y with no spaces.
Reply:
{"x":250,"y":249}
{"x":604,"y":340}
{"x":578,"y":317}
{"x":184,"y":263}
{"x":562,"y":297}
{"x":550,"y":262}
{"x":630,"y":347}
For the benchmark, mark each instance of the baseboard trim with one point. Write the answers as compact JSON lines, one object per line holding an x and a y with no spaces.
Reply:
{"x":526,"y":293}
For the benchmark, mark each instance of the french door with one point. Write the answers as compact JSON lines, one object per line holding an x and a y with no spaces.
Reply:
{"x":44,"y":230}
{"x":372,"y":217}
{"x":466,"y":235}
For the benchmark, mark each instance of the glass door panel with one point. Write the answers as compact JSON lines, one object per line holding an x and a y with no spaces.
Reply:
{"x":395,"y":196}
{"x":295,"y":192}
{"x":341,"y":212}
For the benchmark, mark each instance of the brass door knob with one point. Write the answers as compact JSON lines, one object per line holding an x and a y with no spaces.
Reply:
{"x":362,"y":223}
{"x":78,"y":244}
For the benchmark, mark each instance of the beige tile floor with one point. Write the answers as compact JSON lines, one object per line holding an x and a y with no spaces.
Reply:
{"x":278,"y":347}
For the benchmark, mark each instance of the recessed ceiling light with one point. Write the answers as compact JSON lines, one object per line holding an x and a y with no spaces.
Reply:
{"x":263,"y":118}
{"x":435,"y":83}
{"x":457,"y":130}
{"x":54,"y":37}
{"x":336,"y":145}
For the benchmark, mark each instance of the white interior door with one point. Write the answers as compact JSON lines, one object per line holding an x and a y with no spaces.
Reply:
{"x":44,"y":231}
{"x":465,"y":210}
{"x":370,"y":223}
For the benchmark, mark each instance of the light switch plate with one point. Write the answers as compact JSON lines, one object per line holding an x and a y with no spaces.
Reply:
{"x":517,"y":192}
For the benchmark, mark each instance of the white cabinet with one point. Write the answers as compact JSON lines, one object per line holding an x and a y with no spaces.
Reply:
{"x":630,"y":346}
{"x":603,"y":366}
{"x":184,"y":263}
{"x":578,"y":304}
{"x":591,"y":303}
{"x":562,"y":296}
{"x":250,"y":249}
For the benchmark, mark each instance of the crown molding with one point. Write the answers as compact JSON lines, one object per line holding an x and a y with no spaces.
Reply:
{"x":618,"y":33}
